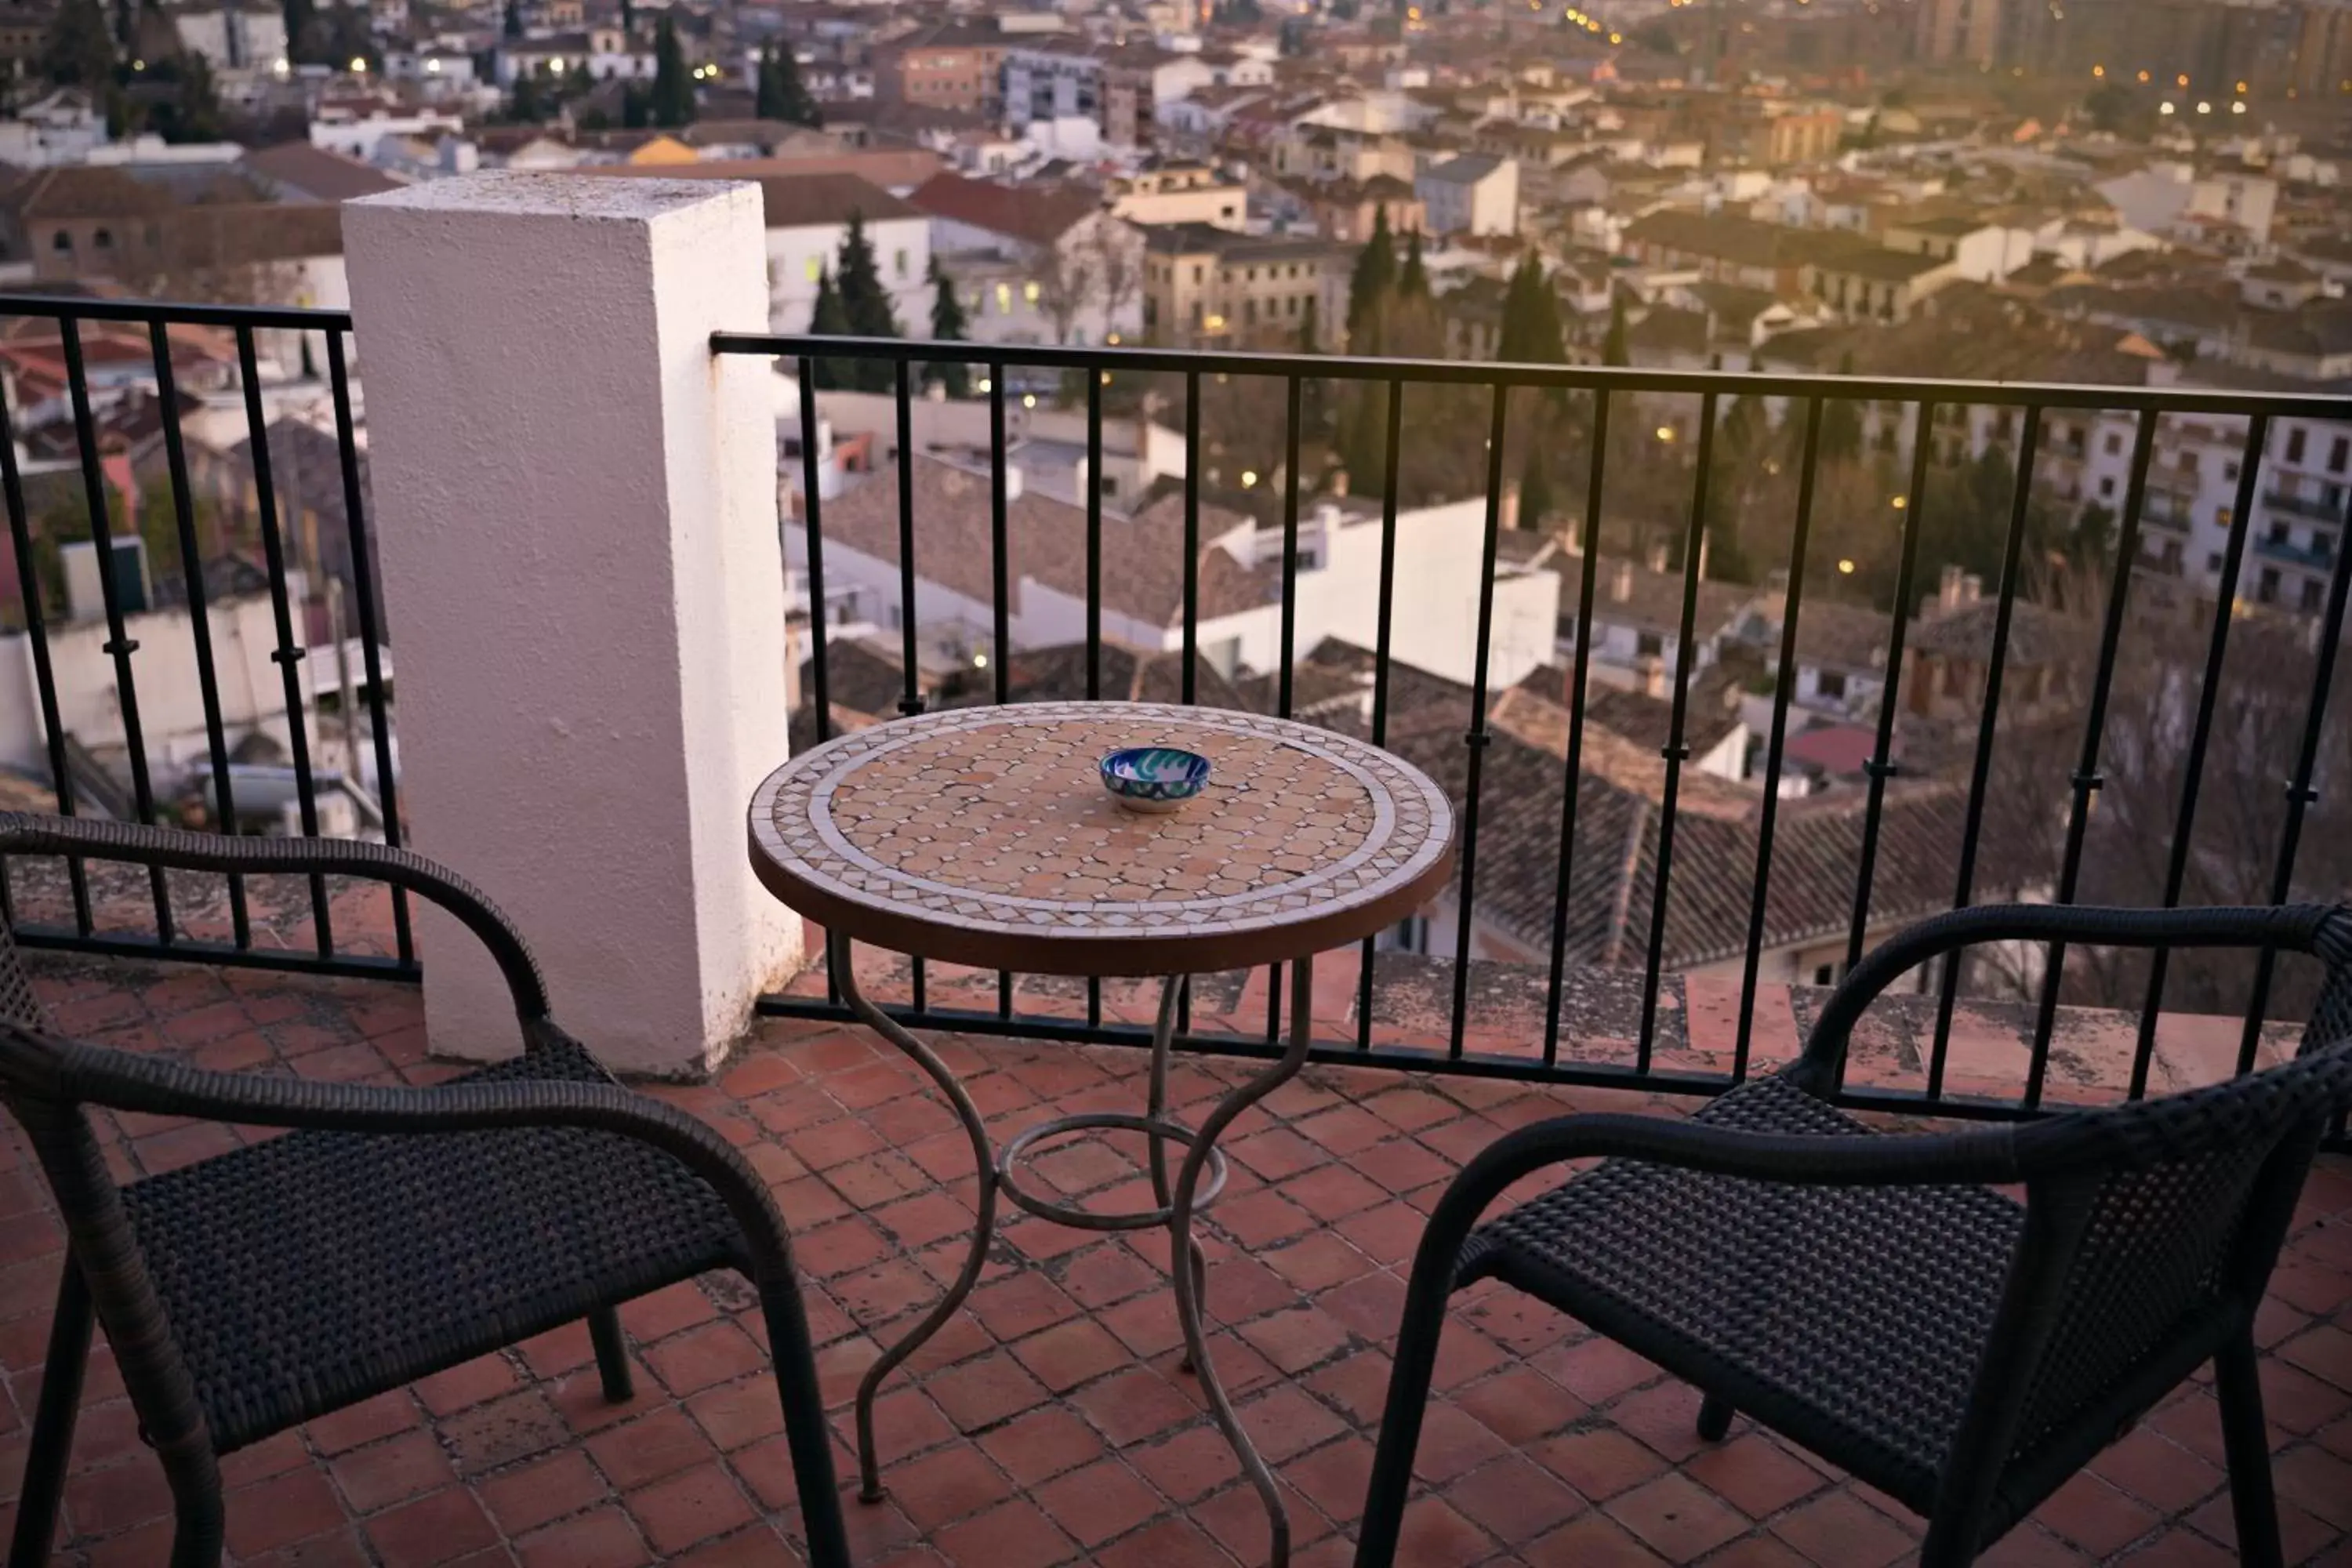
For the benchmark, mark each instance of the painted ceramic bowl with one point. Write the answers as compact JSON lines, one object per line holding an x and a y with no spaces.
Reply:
{"x":1154,"y":778}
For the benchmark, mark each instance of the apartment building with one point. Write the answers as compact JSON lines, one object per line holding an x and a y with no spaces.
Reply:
{"x":1206,"y":286}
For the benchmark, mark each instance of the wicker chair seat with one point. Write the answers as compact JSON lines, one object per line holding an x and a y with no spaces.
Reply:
{"x":307,"y":1272}
{"x":1849,"y":1317}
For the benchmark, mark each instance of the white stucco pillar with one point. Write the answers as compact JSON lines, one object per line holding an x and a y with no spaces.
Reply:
{"x":576,"y":508}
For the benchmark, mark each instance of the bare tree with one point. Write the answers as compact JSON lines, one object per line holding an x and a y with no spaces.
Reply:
{"x":1117,"y":261}
{"x":1066,"y":284}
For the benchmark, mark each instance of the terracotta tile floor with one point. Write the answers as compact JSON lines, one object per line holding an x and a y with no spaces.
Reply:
{"x":1050,"y":1424}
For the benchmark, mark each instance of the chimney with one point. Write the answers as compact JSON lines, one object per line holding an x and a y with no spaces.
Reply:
{"x":1012,"y":481}
{"x":1621,"y":582}
{"x":1947,"y":590}
{"x":1657,"y":555}
{"x":1338,"y":482}
{"x":1971,"y":588}
{"x":1508,"y":511}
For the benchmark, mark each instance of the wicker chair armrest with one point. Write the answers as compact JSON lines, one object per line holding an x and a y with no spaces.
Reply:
{"x":71,"y":1071}
{"x":2292,"y":927}
{"x":25,"y":832}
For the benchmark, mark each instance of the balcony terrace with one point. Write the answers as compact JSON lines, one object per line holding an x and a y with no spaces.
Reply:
{"x":1645,"y":886}
{"x":1052,"y":1425}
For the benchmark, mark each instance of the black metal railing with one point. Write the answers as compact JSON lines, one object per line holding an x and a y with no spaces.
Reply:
{"x":1603,"y":393}
{"x":255,"y":535}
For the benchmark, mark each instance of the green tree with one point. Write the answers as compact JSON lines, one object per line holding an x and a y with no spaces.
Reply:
{"x":532,"y":98}
{"x":1308,"y":329}
{"x":782,"y":94}
{"x":78,"y":50}
{"x":1841,"y":422}
{"x":297,"y":16}
{"x":194,"y":110}
{"x":830,"y":318}
{"x":948,"y":326}
{"x":865,"y":304}
{"x":1536,"y":501}
{"x":1531,"y":330}
{"x":513,"y":26}
{"x":1413,"y":279}
{"x":672,"y":96}
{"x":628,"y":18}
{"x":1370,"y":285}
{"x":1613,"y":349}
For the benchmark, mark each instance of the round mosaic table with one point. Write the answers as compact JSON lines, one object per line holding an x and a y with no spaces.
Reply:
{"x":985,"y":836}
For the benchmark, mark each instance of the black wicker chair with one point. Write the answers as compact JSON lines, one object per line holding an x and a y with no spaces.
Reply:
{"x":1870,"y":1298}
{"x":400,"y":1231}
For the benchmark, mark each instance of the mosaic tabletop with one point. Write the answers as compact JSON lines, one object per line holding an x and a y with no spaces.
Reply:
{"x":984,"y":835}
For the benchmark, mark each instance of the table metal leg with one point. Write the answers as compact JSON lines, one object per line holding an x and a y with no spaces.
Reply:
{"x":869,"y":1473}
{"x":1188,"y":1280}
{"x":1163,"y":1036}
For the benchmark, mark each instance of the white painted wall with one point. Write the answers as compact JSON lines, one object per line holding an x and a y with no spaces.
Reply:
{"x":171,"y":701}
{"x":592,"y":689}
{"x":902,"y":254}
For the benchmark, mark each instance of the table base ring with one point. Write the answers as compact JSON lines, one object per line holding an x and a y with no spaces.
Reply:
{"x":1156,"y":1128}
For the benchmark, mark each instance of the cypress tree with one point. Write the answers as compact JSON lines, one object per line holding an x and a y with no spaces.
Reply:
{"x":1412,"y":282}
{"x":830,"y":318}
{"x":948,"y":326}
{"x":1841,"y":423}
{"x":867,"y":304}
{"x":1369,"y":285}
{"x":1613,"y":349}
{"x":673,"y":99}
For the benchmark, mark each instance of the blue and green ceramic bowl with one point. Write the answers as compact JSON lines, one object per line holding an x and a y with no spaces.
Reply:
{"x":1154,"y":778}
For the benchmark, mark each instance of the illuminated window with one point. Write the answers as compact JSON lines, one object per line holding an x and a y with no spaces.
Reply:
{"x":813,"y":266}
{"x":1029,"y":292}
{"x":1005,"y":298}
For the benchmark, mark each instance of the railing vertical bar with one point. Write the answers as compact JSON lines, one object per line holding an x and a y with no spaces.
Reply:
{"x":2300,"y":794}
{"x":2242,"y":527}
{"x":1882,"y":766}
{"x":910,"y":700}
{"x":1572,"y":773}
{"x":1674,"y":752}
{"x":1192,"y":596}
{"x":1094,"y":536}
{"x":1094,"y":594}
{"x":2087,"y":780}
{"x":289,"y":652}
{"x":45,"y":682}
{"x":1000,"y":574}
{"x":1769,"y":815}
{"x":1192,"y":536}
{"x":184,"y":512}
{"x":120,"y":644}
{"x":371,"y":656}
{"x":1477,"y":737}
{"x":1380,"y":670}
{"x":1972,"y":825}
{"x":813,"y":534}
{"x":1289,"y":654}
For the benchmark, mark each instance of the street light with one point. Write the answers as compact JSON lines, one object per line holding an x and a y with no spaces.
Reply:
{"x":1845,"y":568}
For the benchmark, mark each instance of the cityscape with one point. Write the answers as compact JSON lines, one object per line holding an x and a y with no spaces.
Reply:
{"x":1780,"y":470}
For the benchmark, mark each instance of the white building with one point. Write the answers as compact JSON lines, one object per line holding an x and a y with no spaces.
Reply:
{"x":808,"y":217}
{"x":244,"y":38}
{"x":1472,"y":194}
{"x":355,"y":131}
{"x":1035,"y":264}
{"x":2170,"y":198}
{"x":1240,"y":567}
{"x":602,"y":53}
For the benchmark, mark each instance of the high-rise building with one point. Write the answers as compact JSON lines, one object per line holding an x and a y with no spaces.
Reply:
{"x":1959,"y":32}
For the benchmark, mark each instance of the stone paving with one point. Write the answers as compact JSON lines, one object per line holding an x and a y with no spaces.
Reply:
{"x":1051,"y":1423}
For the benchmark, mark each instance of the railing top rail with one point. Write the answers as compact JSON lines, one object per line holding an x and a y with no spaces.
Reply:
{"x":1902,"y":389}
{"x":146,"y":312}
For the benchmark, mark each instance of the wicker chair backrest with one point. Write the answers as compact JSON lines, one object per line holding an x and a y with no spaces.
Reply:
{"x":18,"y":1002}
{"x":2180,"y":1213}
